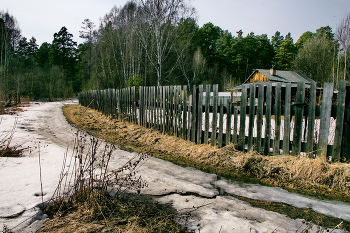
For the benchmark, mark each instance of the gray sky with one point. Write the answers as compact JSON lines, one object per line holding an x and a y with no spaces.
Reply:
{"x":42,"y":18}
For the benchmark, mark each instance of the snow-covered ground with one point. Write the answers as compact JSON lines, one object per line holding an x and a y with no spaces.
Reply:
{"x":195,"y":194}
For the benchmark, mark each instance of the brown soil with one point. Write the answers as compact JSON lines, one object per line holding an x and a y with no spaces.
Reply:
{"x":313,"y":177}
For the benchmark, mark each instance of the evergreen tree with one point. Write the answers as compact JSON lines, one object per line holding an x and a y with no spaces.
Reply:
{"x":63,"y":54}
{"x":276,"y":40}
{"x":285,"y":54}
{"x":303,"y":38}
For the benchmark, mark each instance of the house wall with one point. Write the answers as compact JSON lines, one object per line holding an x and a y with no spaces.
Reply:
{"x":258,"y":77}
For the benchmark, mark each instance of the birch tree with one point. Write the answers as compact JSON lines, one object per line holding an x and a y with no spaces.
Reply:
{"x":10,"y":35}
{"x":343,"y":36}
{"x":157,"y":32}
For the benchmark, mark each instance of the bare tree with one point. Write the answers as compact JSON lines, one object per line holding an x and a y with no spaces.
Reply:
{"x":157,"y":32}
{"x":10,"y":35}
{"x":343,"y":36}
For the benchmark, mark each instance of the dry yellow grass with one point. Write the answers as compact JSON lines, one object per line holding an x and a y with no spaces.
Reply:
{"x":300,"y":174}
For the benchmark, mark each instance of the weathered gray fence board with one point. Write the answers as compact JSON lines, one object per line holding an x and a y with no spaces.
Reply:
{"x":268,"y":119}
{"x":340,"y":121}
{"x":207,"y":106}
{"x":164,"y":110}
{"x":242,"y":118}
{"x":298,"y":121}
{"x":215,"y":116}
{"x":260,"y":112}
{"x":277,"y":106}
{"x":345,"y":152}
{"x":251,"y":116}
{"x":184,"y":112}
{"x":311,"y":120}
{"x":199,"y":113}
{"x":221,"y":124}
{"x":235,"y":125}
{"x":325,"y":119}
{"x":194,"y":114}
{"x":228,"y":106}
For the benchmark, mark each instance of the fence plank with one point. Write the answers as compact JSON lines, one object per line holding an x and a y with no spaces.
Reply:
{"x":228,"y":105}
{"x":184,"y":112}
{"x":215,"y":114}
{"x":251,"y":116}
{"x":340,"y":121}
{"x":153,"y":107}
{"x":287,"y":118}
{"x":276,"y":146}
{"x":179,"y":112}
{"x":268,"y":119}
{"x":235,"y":125}
{"x":221,"y":124}
{"x":194,"y":114}
{"x":169,"y":109}
{"x":298,"y":121}
{"x":164,"y":111}
{"x":175,"y":108}
{"x":199,"y":113}
{"x":158,"y":106}
{"x":147,"y":113}
{"x":325,"y":119}
{"x":345,"y":152}
{"x":311,"y":120}
{"x":260,"y":112}
{"x":242,"y":118}
{"x":207,"y":106}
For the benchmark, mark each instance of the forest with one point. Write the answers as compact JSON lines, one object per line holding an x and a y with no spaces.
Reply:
{"x":150,"y":43}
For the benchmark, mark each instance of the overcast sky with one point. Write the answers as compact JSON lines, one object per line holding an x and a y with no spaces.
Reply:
{"x":42,"y":18}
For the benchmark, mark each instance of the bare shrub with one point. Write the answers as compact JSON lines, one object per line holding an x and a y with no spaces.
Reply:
{"x":6,"y":148}
{"x":88,"y":170}
{"x":92,"y":198}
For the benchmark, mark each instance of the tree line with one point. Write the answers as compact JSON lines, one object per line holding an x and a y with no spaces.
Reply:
{"x":158,"y":42}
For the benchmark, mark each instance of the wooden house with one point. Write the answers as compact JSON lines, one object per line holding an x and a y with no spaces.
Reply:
{"x":272,"y":75}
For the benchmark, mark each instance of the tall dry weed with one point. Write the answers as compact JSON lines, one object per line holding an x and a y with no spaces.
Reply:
{"x":7,"y":148}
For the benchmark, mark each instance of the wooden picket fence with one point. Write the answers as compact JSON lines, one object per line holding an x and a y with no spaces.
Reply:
{"x":271,"y":118}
